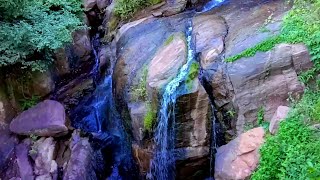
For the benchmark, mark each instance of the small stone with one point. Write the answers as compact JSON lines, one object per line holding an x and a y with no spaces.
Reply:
{"x":278,"y":116}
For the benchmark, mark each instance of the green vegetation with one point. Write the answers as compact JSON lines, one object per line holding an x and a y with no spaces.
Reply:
{"x":31,"y":30}
{"x":29,"y":102}
{"x":126,"y":8}
{"x":139,"y":92}
{"x":169,"y":40}
{"x":193,"y":73}
{"x":293,"y":153}
{"x":301,"y":25}
{"x":33,"y":151}
{"x":150,"y":117}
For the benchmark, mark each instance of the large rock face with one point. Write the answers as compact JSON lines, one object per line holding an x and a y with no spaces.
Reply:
{"x":239,"y":158}
{"x":266,"y":80}
{"x":163,"y":57}
{"x":45,"y":119}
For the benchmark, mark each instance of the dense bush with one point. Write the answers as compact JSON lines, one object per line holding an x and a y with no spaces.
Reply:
{"x":293,"y":153}
{"x":30,"y":30}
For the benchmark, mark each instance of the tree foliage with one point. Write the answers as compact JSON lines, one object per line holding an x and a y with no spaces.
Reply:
{"x":31,"y":30}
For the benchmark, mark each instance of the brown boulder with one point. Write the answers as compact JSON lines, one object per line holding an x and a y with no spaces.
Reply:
{"x":266,"y":80}
{"x":239,"y":158}
{"x":166,"y":63}
{"x":45,"y":119}
{"x":278,"y":116}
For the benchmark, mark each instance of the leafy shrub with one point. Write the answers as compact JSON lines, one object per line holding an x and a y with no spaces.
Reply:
{"x":29,"y":102}
{"x":293,"y":153}
{"x":193,"y":73}
{"x":169,"y":40}
{"x":150,"y":117}
{"x":31,"y":30}
{"x":139,"y":92}
{"x":126,"y":8}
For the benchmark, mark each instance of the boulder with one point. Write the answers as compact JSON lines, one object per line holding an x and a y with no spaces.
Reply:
{"x":45,"y":166}
{"x":8,"y":143}
{"x":266,"y":80}
{"x":193,"y":113}
{"x":279,"y":115}
{"x":89,"y":4}
{"x":7,"y":111}
{"x":82,"y":45}
{"x":167,"y":61}
{"x":143,"y":157}
{"x":81,"y":160}
{"x":22,"y":158}
{"x":239,"y":158}
{"x":45,"y":119}
{"x":102,"y":4}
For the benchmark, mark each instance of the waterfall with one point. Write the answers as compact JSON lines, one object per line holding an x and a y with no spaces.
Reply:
{"x":212,"y":4}
{"x":98,"y":116}
{"x":95,"y":44}
{"x":163,"y":163}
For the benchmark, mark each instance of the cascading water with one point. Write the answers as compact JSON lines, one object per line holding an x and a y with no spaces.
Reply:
{"x":212,"y":4}
{"x":97,"y":115}
{"x":163,"y":163}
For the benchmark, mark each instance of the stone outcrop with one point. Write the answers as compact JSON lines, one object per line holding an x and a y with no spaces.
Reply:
{"x":266,"y":80}
{"x":279,"y":115}
{"x":45,"y":119}
{"x":22,"y":158}
{"x":81,"y":160}
{"x":163,"y":57}
{"x":167,"y":61}
{"x":45,"y":166}
{"x":7,"y":146}
{"x":239,"y":158}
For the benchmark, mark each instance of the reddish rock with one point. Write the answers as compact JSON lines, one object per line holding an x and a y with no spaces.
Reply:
{"x":278,"y":116}
{"x":45,"y":119}
{"x":166,"y":63}
{"x":239,"y":158}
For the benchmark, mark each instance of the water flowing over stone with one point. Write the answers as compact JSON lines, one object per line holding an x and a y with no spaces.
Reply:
{"x":97,"y":115}
{"x":163,"y":163}
{"x":212,"y":4}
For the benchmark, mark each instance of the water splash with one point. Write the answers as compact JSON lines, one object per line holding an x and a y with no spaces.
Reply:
{"x":163,"y":164}
{"x":212,"y":4}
